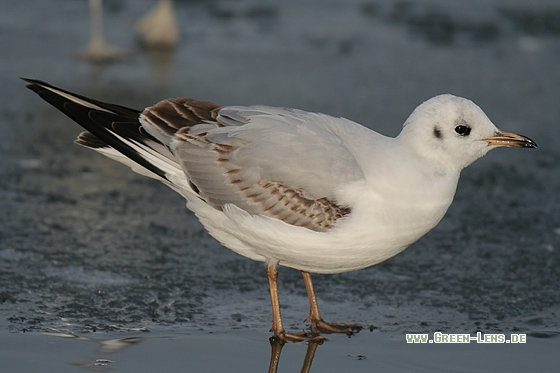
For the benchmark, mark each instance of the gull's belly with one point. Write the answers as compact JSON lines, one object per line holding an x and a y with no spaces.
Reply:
{"x":383,"y":223}
{"x":371,"y":239}
{"x":377,"y":229}
{"x":360,"y":242}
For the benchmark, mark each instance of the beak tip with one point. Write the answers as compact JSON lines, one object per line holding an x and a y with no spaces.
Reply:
{"x":511,"y":139}
{"x":528,"y":143}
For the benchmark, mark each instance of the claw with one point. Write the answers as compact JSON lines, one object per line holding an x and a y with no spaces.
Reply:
{"x":320,"y":326}
{"x":284,"y":337}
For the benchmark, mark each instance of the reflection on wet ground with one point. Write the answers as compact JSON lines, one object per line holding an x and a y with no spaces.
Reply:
{"x":241,"y":351}
{"x":105,"y":346}
{"x":116,"y":345}
{"x":277,"y":346}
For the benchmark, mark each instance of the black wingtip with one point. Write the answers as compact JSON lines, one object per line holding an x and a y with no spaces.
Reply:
{"x":100,"y":119}
{"x":34,"y":83}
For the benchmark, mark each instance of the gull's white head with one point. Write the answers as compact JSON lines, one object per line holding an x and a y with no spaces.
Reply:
{"x":455,"y":131}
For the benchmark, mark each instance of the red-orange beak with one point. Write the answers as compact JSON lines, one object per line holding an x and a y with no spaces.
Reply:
{"x":510,"y":139}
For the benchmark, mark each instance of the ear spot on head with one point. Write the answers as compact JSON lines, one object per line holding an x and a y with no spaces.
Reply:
{"x":437,"y":132}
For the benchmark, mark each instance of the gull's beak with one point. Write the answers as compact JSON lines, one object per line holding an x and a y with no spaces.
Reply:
{"x":510,"y":139}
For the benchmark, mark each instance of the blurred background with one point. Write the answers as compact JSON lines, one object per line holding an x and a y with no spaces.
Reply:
{"x":87,"y":245}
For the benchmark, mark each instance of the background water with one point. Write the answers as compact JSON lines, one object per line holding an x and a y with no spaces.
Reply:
{"x":91,"y":250}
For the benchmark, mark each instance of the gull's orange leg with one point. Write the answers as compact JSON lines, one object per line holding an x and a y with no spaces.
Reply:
{"x":317,"y":323}
{"x":277,"y":327}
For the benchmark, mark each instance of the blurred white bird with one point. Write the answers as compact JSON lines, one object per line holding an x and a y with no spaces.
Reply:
{"x":98,"y":50}
{"x":158,"y":29}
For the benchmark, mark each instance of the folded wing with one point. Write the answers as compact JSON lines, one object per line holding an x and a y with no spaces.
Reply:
{"x":282,"y":163}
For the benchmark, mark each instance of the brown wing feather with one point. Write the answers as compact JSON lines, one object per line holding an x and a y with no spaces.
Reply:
{"x":219,"y":181}
{"x":173,"y":114}
{"x":264,"y":197}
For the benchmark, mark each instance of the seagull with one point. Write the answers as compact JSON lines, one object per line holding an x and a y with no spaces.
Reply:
{"x":98,"y":50}
{"x":158,"y":29}
{"x":288,"y":187}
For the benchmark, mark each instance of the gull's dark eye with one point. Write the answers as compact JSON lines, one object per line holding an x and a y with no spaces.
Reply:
{"x":463,"y":130}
